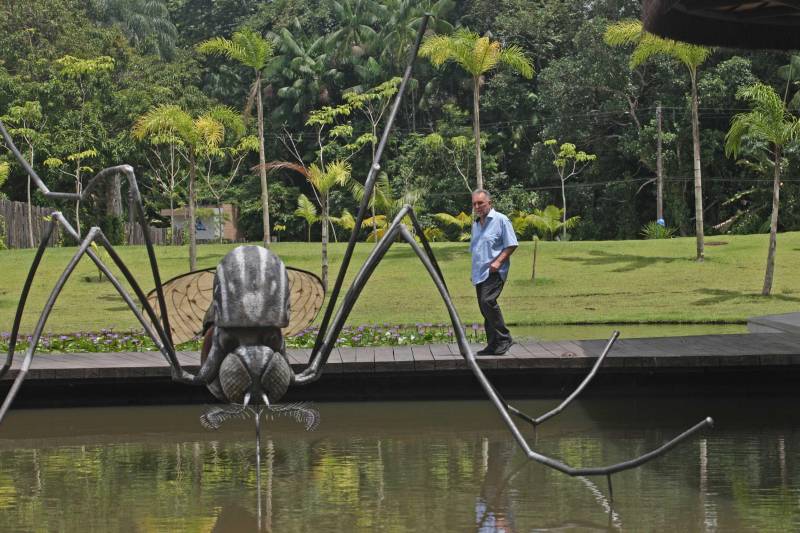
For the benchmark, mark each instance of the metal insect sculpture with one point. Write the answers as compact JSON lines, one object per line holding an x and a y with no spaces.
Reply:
{"x":244,"y":361}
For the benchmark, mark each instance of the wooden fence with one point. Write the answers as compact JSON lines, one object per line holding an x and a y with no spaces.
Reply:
{"x":14,"y":227}
{"x":15,"y":220}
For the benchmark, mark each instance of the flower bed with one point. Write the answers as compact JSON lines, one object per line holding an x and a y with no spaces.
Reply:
{"x":108,"y":340}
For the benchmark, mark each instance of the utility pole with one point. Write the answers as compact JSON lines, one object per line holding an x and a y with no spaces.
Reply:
{"x":659,"y":171}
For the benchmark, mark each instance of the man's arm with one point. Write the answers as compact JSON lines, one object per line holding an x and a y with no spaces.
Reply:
{"x":502,"y":258}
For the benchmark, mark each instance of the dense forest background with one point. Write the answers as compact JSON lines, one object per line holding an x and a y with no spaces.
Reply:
{"x":76,"y":76}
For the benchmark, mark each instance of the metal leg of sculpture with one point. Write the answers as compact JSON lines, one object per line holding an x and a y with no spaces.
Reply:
{"x":26,"y":363}
{"x":536,"y":421}
{"x":320,"y":356}
{"x":501,"y":406}
{"x":125,"y":170}
{"x":94,"y":234}
{"x":12,"y":341}
{"x":369,"y":184}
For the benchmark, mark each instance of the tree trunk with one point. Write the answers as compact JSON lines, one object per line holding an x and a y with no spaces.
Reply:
{"x":172,"y":219}
{"x":220,"y":219}
{"x":114,"y":197}
{"x":564,"y":211}
{"x":324,"y":207}
{"x":773,"y":225}
{"x":374,"y":222}
{"x":476,"y":129}
{"x":31,"y":242}
{"x":535,"y":249}
{"x":192,"y":221}
{"x":78,"y":201}
{"x":698,"y":183}
{"x":659,"y":170}
{"x":262,"y":161}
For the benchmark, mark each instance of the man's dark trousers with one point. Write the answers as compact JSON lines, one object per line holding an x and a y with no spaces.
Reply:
{"x":488,"y":291}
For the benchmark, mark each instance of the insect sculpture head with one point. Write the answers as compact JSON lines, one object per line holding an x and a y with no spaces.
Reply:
{"x":250,"y":306}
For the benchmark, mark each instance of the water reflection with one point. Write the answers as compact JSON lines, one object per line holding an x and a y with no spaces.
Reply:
{"x":426,"y":466}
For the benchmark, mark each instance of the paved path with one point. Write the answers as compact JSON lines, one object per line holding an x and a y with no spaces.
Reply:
{"x":754,"y":350}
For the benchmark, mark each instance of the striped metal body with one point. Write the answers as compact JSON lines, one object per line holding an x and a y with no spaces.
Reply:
{"x":251,"y":289}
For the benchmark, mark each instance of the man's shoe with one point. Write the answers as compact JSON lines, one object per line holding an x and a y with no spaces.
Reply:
{"x":503,"y":349}
{"x":486,"y":351}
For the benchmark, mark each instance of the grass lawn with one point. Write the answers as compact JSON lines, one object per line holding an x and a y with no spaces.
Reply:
{"x":576,"y":283}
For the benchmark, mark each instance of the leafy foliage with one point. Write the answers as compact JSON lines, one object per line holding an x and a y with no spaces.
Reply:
{"x":654,"y":230}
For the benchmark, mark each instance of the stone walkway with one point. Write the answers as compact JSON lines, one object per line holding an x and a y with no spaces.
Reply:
{"x":755,"y":350}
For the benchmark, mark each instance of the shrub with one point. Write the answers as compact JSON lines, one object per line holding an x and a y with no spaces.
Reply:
{"x":654,"y":230}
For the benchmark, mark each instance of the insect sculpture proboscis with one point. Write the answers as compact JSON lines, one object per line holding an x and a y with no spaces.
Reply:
{"x":244,"y":360}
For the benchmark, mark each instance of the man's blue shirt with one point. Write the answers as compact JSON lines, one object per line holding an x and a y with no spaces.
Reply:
{"x":487,"y":243}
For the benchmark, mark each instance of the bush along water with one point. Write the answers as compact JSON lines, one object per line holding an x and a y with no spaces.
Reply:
{"x":108,"y":340}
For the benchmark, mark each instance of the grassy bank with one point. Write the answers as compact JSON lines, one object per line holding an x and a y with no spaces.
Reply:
{"x":576,"y":282}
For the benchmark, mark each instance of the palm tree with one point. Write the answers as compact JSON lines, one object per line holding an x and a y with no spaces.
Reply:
{"x":251,"y":50}
{"x":462,"y":221}
{"x":385,"y":203}
{"x":401,"y":19}
{"x":307,"y":211}
{"x":304,"y":70}
{"x":477,"y":55}
{"x":768,"y":127}
{"x":355,"y":19}
{"x":548,"y":221}
{"x":198,"y":135}
{"x":791,"y":73}
{"x":692,"y":56}
{"x":146,"y":23}
{"x":346,"y":220}
{"x":323,"y":178}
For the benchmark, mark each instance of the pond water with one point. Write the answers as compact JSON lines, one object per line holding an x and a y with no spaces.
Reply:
{"x":413,"y":466}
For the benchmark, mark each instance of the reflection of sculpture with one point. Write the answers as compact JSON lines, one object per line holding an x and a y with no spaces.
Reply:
{"x":246,"y":363}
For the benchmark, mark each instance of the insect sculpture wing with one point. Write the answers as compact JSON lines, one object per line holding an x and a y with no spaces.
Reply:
{"x":189,"y":297}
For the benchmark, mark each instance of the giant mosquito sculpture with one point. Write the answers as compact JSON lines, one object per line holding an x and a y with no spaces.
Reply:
{"x":246,"y":362}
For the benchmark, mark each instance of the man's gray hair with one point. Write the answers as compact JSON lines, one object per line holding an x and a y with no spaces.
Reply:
{"x":484,"y":192}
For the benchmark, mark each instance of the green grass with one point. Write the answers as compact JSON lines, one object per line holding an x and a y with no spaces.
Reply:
{"x":577,"y":283}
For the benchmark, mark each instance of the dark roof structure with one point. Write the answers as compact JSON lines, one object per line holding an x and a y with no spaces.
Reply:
{"x":771,"y":24}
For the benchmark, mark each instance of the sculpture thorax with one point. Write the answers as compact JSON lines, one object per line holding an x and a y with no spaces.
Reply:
{"x":251,"y":289}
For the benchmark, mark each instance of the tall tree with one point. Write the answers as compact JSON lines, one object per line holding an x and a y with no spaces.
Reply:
{"x":691,"y":56}
{"x":569,"y":162}
{"x":254,"y":51}
{"x":146,"y":23}
{"x":307,"y":211}
{"x":768,"y":128}
{"x":199,"y":135}
{"x":26,"y":122}
{"x":84,"y":73}
{"x":478,"y":56}
{"x":304,"y":71}
{"x":355,"y":20}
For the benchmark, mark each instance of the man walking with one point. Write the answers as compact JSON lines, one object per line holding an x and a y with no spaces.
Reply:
{"x":493,"y":242}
